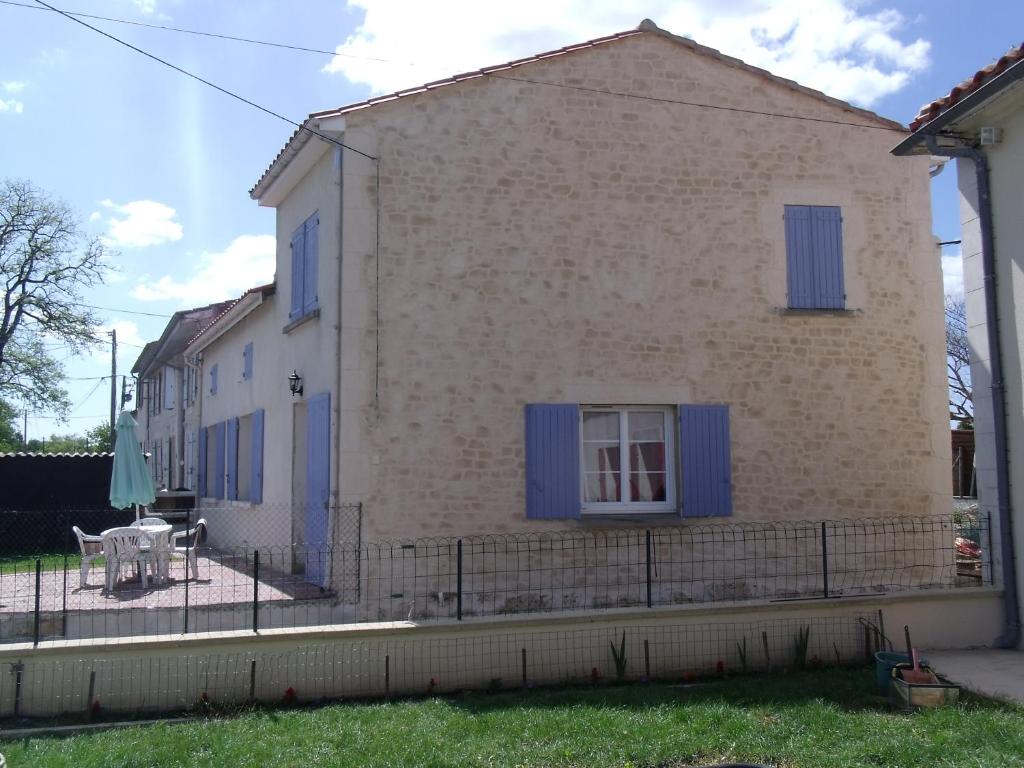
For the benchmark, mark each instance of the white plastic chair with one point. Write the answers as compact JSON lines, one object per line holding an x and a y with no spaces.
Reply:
{"x":143,"y":522}
{"x":124,"y":546}
{"x":92,"y":548}
{"x":192,"y":537}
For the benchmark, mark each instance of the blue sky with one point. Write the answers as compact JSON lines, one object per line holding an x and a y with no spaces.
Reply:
{"x":160,"y":165}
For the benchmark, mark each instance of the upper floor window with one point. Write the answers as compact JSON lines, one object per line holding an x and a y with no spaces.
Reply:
{"x":814,"y":257}
{"x":247,"y":362}
{"x":305,"y":249}
{"x":213,"y":380}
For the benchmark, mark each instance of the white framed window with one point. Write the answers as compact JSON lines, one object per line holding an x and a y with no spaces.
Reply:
{"x":627,"y":459}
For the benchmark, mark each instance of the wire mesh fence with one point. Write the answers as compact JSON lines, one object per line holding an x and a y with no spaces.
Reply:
{"x":383,"y":665}
{"x":236,"y":568}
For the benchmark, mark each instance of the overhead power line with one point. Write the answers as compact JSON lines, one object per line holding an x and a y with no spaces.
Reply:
{"x":124,"y":311}
{"x":202,"y":33}
{"x":225,"y":91}
{"x":71,"y":16}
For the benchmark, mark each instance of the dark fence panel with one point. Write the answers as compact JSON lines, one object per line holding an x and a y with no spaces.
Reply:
{"x":49,"y":532}
{"x":41,"y":481}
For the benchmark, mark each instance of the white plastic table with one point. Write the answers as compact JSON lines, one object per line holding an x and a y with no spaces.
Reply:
{"x":159,"y":535}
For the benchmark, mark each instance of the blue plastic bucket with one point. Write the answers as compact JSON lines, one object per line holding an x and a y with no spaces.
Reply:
{"x":884,"y":662}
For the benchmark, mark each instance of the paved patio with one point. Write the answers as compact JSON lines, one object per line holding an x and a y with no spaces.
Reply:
{"x":998,"y":674}
{"x":223,"y":580}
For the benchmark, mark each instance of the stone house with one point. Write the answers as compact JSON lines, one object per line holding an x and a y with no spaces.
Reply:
{"x":167,"y":394}
{"x":980,"y":125}
{"x":629,"y":282}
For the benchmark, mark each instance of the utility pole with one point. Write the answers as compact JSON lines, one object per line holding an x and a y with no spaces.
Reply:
{"x":113,"y":383}
{"x":24,"y":429}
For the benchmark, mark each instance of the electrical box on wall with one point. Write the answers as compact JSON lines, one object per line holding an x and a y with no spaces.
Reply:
{"x":990,"y":135}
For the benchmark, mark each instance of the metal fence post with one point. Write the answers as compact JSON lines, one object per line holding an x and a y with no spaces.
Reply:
{"x":824,"y":557}
{"x":64,"y":591}
{"x":255,"y":589}
{"x":17,"y":669}
{"x":458,"y":581}
{"x":35,"y":622}
{"x":650,"y":601}
{"x":188,"y":522}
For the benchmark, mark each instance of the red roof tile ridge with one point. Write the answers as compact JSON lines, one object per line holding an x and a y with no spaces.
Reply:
{"x":267,"y":289}
{"x":958,"y":92}
{"x":645,"y":26}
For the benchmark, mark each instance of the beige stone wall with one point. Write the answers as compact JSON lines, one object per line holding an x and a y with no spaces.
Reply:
{"x":172,"y":672}
{"x":546,"y":244}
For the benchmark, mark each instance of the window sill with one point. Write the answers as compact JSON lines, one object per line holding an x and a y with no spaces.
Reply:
{"x":631,"y":518}
{"x":792,"y":312}
{"x":313,"y":314}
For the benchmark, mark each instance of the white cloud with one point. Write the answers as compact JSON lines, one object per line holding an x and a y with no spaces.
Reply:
{"x":953,"y":273}
{"x":128,"y":335}
{"x":13,"y":86}
{"x":52,"y":58}
{"x":246,"y":262}
{"x":149,"y":8}
{"x":11,"y":105}
{"x":139,"y":224}
{"x":832,"y":45}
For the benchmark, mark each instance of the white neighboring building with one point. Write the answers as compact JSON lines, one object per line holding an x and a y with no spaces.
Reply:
{"x":238,"y":368}
{"x":166,"y":395}
{"x":980,"y":124}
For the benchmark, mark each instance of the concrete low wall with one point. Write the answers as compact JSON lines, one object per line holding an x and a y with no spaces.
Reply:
{"x":174,"y":672}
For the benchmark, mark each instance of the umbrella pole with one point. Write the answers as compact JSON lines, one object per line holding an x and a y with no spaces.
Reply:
{"x":136,"y":513}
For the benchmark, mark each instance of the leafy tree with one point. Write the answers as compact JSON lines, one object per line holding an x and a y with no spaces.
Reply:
{"x":10,"y":437}
{"x":100,"y":438}
{"x":958,"y":362}
{"x":59,"y":444}
{"x":45,"y":262}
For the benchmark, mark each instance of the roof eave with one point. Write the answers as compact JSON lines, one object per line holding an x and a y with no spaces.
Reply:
{"x":299,"y":155}
{"x":249,"y":301}
{"x":967,"y":105}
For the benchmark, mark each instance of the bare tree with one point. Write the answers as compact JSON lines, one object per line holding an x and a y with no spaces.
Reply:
{"x":958,"y":362}
{"x":45,"y":262}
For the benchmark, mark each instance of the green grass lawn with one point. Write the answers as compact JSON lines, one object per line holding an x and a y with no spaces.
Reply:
{"x":51,"y":562}
{"x":827,"y":719}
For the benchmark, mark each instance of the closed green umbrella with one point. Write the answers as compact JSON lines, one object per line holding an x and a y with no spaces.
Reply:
{"x":129,"y":482}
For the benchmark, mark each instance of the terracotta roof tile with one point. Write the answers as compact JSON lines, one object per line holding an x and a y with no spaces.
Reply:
{"x":933,"y":109}
{"x":265,"y":290}
{"x":646,"y":26}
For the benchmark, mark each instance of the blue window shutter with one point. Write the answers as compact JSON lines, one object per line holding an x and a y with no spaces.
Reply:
{"x":217,"y":491}
{"x":201,"y":469}
{"x":799,"y":257}
{"x":827,"y":231}
{"x":552,"y":461}
{"x":298,"y":257}
{"x":706,"y":460}
{"x":318,"y":488}
{"x":213,"y":380}
{"x":232,"y":459}
{"x":814,"y":257}
{"x":247,"y":361}
{"x":311,"y":266}
{"x":256,"y":457}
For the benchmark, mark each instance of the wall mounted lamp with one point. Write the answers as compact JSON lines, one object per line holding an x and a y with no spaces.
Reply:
{"x":295,"y":383}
